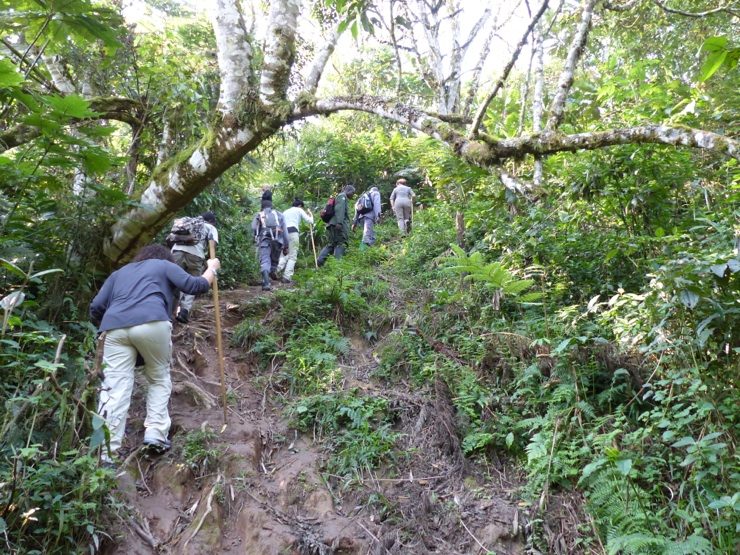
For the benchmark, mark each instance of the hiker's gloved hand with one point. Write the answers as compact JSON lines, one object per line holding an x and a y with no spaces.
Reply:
{"x":285,"y":250}
{"x":214,"y":264}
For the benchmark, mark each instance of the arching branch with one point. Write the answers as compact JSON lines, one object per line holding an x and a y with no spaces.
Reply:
{"x":726,"y":8}
{"x":118,"y":109}
{"x":485,"y":151}
{"x":319,"y":63}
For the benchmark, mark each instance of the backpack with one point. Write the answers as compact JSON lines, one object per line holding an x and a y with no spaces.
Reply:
{"x":327,"y":213}
{"x":269,"y":222}
{"x":187,"y":231}
{"x":364,"y":203}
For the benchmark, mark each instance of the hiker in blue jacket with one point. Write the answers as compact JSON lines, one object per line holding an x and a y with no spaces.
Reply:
{"x":133,"y":308}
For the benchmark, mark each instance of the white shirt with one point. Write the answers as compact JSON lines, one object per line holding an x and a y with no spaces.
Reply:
{"x":294,"y":215}
{"x":200,"y":249}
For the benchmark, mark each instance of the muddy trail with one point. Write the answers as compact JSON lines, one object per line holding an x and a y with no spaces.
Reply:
{"x":258,"y":486}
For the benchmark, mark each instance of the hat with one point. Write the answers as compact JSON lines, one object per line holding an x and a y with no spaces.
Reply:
{"x":349,"y":190}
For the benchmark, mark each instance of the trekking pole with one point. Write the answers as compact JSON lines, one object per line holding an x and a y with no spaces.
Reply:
{"x":313,"y":245}
{"x":219,"y":343}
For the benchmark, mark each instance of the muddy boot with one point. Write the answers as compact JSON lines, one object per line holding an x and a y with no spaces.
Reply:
{"x":266,"y":281}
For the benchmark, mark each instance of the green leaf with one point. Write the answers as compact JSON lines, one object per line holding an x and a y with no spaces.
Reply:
{"x":684,"y":442}
{"x":9,"y":75}
{"x":713,"y":62}
{"x":624,"y":466}
{"x":72,"y":106}
{"x":509,"y":439}
{"x":688,"y":298}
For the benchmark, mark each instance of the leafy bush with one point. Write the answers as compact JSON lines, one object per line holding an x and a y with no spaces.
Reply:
{"x":357,"y":428}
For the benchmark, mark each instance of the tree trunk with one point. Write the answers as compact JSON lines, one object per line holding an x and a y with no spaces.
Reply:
{"x":460,"y":228}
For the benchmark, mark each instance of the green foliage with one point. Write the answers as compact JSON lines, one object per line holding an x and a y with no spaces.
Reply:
{"x":311,"y":358}
{"x":199,"y":453}
{"x":357,"y":429}
{"x":494,"y":276}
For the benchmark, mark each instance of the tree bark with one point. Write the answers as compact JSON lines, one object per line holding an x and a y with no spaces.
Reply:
{"x":565,"y":82}
{"x":234,"y":53}
{"x":279,"y":50}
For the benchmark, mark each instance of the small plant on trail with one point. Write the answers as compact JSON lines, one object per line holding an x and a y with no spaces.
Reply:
{"x":311,"y":358}
{"x":199,"y":453}
{"x":358,"y":429}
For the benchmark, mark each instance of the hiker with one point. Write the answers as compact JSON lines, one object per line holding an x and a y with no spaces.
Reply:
{"x":293,"y":217}
{"x":367,"y":212}
{"x":401,"y":199}
{"x":338,"y":227}
{"x":191,"y":257}
{"x":133,"y":309}
{"x":271,"y":238}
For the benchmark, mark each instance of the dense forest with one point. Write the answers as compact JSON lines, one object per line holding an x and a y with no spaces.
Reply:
{"x":548,"y":362}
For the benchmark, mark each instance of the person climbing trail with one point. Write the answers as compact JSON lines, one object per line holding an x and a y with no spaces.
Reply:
{"x":133,"y":309}
{"x":271,"y":238}
{"x":293,"y":217}
{"x":189,"y":239}
{"x":367,"y":213}
{"x":337,"y":226}
{"x":402,"y":198}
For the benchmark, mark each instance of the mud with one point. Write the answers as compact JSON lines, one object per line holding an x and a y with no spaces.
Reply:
{"x":266,"y":494}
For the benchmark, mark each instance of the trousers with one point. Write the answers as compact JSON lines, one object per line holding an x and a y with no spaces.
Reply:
{"x":402,"y":210}
{"x":287,"y":262}
{"x":194,"y":265}
{"x":338,"y":238}
{"x":153,"y":341}
{"x":368,"y":230}
{"x":268,"y":252}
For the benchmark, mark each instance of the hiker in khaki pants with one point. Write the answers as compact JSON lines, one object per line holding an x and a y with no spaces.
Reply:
{"x":133,"y":308}
{"x":401,"y":199}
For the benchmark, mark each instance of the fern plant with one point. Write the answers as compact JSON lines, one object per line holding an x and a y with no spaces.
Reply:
{"x":492,"y":275}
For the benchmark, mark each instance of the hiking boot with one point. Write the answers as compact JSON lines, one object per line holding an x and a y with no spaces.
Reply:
{"x":273,"y":276}
{"x":183,"y":316}
{"x":108,"y":464}
{"x":155,"y":447}
{"x":266,"y":281}
{"x":287,"y":281}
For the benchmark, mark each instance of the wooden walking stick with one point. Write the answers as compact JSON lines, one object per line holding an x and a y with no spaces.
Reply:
{"x":313,"y":246}
{"x":219,"y":343}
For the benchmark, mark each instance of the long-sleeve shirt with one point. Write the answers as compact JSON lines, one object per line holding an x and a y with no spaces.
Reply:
{"x":294,"y":216}
{"x":403,"y":194}
{"x":142,"y":292}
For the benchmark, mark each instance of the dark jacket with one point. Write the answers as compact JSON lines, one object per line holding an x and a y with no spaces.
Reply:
{"x":341,"y":213}
{"x":142,"y":292}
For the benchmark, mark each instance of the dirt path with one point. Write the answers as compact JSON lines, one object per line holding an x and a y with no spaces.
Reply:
{"x":255,"y":487}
